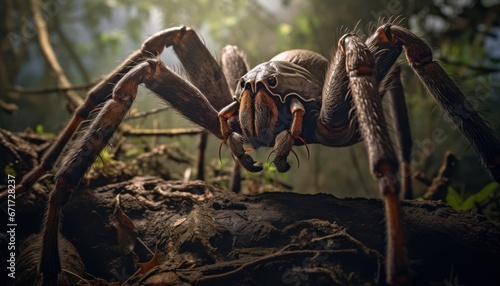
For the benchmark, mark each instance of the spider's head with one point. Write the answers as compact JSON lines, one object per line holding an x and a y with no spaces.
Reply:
{"x":280,"y":79}
{"x":263,"y":94}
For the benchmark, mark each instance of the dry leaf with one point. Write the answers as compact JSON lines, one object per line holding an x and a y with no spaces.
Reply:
{"x":125,"y":228}
{"x":147,"y":266}
{"x":179,"y":221}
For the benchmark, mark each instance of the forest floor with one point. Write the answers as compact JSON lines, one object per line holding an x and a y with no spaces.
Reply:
{"x":125,"y":227}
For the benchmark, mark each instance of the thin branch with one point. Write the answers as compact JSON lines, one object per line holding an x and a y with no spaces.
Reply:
{"x":438,"y":187}
{"x":44,"y":42}
{"x":21,"y":90}
{"x":422,"y":178}
{"x":147,"y":113}
{"x":161,"y":132}
{"x":10,"y":108}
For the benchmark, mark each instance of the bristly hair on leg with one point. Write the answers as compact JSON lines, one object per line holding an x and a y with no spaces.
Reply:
{"x":372,"y":26}
{"x":78,"y":138}
{"x":356,"y":30}
{"x":341,"y":32}
{"x":79,"y":132}
{"x":398,"y":20}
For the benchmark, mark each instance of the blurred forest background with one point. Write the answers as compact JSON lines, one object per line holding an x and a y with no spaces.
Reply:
{"x":91,"y":37}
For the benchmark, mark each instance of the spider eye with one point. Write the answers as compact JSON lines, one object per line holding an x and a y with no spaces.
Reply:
{"x":242,"y":84}
{"x":272,"y":81}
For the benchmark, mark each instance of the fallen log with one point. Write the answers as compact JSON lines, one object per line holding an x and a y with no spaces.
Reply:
{"x":207,"y":236}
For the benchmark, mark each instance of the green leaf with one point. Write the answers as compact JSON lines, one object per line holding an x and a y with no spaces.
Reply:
{"x":39,"y":129}
{"x":9,"y":170}
{"x":103,"y":159}
{"x":454,"y":199}
{"x":284,"y":29}
{"x":480,"y":196}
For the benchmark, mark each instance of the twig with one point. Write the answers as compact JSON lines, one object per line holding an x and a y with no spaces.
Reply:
{"x":161,"y":132}
{"x":145,"y":246}
{"x":280,"y":255}
{"x":422,"y":178}
{"x":10,"y":108}
{"x":438,"y":187}
{"x":21,"y":90}
{"x":43,"y":39}
{"x":202,"y":146}
{"x":147,"y":113}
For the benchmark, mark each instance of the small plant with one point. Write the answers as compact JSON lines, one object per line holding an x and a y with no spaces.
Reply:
{"x":270,"y":173}
{"x":9,"y":169}
{"x":269,"y":180}
{"x":103,"y":159}
{"x":40,"y":131}
{"x":456,"y":201}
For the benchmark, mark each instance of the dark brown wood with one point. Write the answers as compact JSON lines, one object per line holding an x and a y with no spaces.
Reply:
{"x":438,"y":186}
{"x":208,"y":236}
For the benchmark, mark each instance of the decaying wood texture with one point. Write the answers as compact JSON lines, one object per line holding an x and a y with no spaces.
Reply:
{"x":203,"y":235}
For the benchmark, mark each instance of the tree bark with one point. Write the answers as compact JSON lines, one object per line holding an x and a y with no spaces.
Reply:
{"x":204,"y":235}
{"x":207,"y":236}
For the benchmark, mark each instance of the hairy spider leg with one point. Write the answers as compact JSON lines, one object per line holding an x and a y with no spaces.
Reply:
{"x":394,"y":88}
{"x":234,"y":140}
{"x":80,"y":158}
{"x":286,"y":138}
{"x":449,"y":97}
{"x":234,"y":65}
{"x":360,"y":66}
{"x":169,"y":86}
{"x":101,"y":92}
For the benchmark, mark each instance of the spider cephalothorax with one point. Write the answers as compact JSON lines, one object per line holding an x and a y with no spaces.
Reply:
{"x":297,"y":97}
{"x":272,"y":99}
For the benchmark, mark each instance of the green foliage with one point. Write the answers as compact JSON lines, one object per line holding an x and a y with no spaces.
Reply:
{"x":270,"y":173}
{"x":455,"y":200}
{"x":9,"y":169}
{"x":41,"y":131}
{"x":266,"y":181}
{"x":111,"y":39}
{"x":103,"y":159}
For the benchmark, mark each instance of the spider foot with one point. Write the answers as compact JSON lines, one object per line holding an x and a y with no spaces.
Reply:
{"x":235,"y":143}
{"x":247,"y":162}
{"x":283,"y":147}
{"x":281,"y":164}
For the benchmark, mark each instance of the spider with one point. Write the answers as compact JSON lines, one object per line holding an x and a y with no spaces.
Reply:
{"x":297,"y":98}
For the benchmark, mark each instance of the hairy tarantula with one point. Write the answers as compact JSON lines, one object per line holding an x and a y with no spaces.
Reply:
{"x":296,"y":98}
